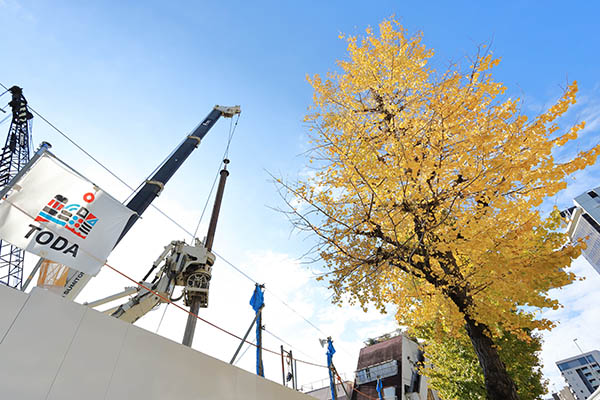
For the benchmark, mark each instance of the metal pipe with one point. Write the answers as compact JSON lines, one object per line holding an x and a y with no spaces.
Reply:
{"x":214,"y":218}
{"x":190,"y":326}
{"x":295,"y":375}
{"x":32,"y":274}
{"x":293,"y":370}
{"x":244,"y":339}
{"x":282,"y":367}
{"x":261,"y":368}
{"x":126,"y":292}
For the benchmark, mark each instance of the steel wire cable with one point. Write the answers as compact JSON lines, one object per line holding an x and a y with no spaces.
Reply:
{"x":164,"y":214}
{"x":294,"y":348}
{"x":163,"y":298}
{"x":167,"y":300}
{"x":225,"y":155}
{"x":114,"y":175}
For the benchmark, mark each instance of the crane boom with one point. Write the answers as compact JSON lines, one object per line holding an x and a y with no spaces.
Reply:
{"x":153,"y":186}
{"x":151,"y":189}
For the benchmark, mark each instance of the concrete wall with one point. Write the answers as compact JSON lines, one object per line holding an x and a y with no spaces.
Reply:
{"x":52,"y":348}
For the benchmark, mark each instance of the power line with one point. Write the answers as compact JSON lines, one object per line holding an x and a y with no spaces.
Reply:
{"x":167,"y":300}
{"x":270,"y":291}
{"x":226,"y":153}
{"x":163,"y":298}
{"x":287,"y":344}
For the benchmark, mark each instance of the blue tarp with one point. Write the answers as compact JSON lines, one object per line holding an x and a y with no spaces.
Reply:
{"x":257,"y":301}
{"x":379,"y":388}
{"x":330,"y":353}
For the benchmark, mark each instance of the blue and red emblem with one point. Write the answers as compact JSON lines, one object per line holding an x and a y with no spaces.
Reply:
{"x":74,"y":217}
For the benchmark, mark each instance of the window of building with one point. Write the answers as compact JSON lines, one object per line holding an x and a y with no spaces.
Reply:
{"x":389,"y":393}
{"x":573,"y":363}
{"x":594,"y":196}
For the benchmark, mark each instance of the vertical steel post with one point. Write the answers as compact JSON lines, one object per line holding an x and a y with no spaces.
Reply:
{"x":292,"y":368}
{"x":295,"y":375}
{"x":190,"y":327}
{"x":261,"y":369}
{"x":282,"y":367}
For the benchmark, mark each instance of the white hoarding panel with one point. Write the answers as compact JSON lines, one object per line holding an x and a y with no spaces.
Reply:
{"x":12,"y":301}
{"x":36,"y":344}
{"x":59,"y":350}
{"x":91,"y":359}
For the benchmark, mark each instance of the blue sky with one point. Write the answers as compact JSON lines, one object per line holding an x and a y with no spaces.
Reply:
{"x":128,"y":79}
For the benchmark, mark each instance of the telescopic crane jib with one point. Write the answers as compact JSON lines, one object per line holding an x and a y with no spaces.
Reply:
{"x":152,"y":188}
{"x":180,"y":264}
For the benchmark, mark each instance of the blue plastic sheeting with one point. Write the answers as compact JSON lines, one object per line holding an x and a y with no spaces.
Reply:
{"x":379,"y":389}
{"x":257,"y":302}
{"x":258,"y":299}
{"x":330,"y":353}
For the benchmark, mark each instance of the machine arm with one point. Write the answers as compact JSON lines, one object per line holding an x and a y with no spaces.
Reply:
{"x":153,"y":186}
{"x":76,"y":280}
{"x":176,"y":264}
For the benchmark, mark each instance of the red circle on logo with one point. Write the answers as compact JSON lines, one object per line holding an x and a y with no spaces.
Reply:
{"x":89,"y":197}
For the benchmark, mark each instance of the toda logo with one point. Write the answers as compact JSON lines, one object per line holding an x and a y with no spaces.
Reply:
{"x":74,"y":217}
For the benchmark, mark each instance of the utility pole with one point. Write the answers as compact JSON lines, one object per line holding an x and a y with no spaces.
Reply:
{"x":15,"y":154}
{"x":195,"y":299}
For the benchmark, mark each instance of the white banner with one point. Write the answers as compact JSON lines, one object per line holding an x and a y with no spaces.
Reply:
{"x":57,"y":214}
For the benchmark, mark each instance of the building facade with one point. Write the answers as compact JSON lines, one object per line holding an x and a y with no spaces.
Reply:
{"x":394,"y":360}
{"x":564,"y":394}
{"x":584,"y":221}
{"x":582,"y":373}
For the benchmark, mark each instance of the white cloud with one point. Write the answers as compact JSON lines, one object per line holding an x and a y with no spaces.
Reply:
{"x":577,"y":320}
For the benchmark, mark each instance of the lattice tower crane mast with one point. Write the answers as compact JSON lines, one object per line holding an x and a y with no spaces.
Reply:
{"x":15,"y":154}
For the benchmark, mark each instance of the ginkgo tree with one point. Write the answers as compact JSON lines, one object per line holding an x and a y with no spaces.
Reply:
{"x":453,"y":370}
{"x":425,"y":192}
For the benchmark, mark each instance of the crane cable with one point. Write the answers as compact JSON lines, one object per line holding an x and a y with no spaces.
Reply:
{"x":232,"y":129}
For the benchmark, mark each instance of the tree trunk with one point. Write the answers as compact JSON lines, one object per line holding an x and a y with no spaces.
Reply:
{"x":498,"y":384}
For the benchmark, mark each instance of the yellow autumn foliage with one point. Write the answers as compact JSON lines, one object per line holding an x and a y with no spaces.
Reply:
{"x":427,"y":185}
